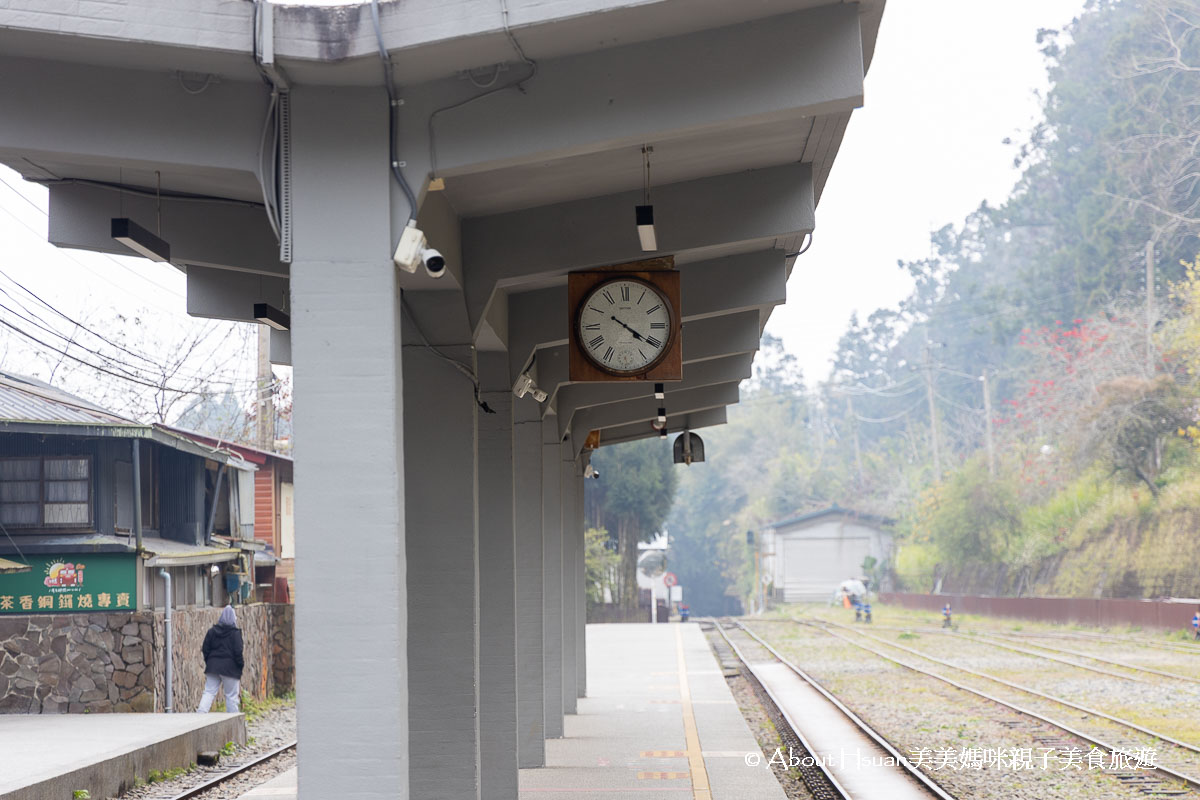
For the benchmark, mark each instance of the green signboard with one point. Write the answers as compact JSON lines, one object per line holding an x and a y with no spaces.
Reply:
{"x":70,"y":584}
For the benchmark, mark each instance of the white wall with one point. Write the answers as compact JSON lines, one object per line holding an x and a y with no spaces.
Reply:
{"x":808,"y":561}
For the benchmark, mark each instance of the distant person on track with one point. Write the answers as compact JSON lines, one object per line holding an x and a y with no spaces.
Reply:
{"x":946,"y":616}
{"x":223,"y":663}
{"x":1196,"y":626}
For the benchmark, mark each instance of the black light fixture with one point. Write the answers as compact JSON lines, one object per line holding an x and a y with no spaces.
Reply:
{"x":644,"y":213}
{"x":662,"y":416}
{"x":645,"y":228}
{"x":140,"y":240}
{"x":659,"y":394}
{"x":270,"y":315}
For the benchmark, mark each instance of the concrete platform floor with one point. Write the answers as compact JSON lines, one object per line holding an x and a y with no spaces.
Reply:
{"x":659,"y":721}
{"x":52,"y":755}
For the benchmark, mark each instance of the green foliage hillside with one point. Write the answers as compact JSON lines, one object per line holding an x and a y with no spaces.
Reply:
{"x":1071,"y":469}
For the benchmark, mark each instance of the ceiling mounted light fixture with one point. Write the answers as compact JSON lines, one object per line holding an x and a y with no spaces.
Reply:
{"x":140,"y":240}
{"x":644,"y":214}
{"x":270,"y":315}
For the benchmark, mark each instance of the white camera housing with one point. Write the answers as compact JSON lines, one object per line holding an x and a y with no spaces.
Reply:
{"x":525,"y":385}
{"x":412,"y":246}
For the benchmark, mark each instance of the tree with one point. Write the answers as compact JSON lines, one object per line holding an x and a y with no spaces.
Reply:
{"x":632,"y":499}
{"x":601,"y":564}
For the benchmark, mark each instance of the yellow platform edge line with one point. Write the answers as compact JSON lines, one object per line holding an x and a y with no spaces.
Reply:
{"x":700,"y":786}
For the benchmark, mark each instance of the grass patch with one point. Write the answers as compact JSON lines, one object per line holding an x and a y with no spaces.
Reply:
{"x":907,"y":635}
{"x":160,"y":775}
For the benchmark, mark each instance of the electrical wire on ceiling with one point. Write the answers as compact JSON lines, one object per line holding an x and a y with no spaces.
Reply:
{"x":516,"y":83}
{"x":393,"y":105}
{"x":807,"y":244}
{"x":266,"y":171}
{"x":137,"y":192}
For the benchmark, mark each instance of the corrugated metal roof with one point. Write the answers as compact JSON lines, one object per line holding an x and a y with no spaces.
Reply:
{"x":10,"y":567}
{"x":28,"y":400}
{"x":169,"y":553}
{"x":834,"y":509}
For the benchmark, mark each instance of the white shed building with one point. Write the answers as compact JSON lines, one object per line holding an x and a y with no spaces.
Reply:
{"x":806,"y":556}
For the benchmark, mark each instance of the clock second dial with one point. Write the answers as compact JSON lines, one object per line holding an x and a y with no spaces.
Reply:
{"x":624,"y":325}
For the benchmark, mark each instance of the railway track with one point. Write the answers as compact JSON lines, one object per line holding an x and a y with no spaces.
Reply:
{"x":1154,"y":781}
{"x":1178,"y":647}
{"x":818,"y":723}
{"x":215,"y":779}
{"x":996,"y":638}
{"x":988,"y":637}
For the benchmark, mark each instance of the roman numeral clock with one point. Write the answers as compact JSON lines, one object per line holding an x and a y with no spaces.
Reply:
{"x":625,"y":322}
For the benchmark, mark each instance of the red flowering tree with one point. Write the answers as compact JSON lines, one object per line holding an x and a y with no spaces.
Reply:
{"x":1087,"y":394}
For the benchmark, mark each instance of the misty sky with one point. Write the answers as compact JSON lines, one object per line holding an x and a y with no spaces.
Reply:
{"x":950,"y":80}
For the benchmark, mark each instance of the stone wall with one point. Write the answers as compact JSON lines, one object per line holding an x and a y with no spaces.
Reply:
{"x":283,"y":647}
{"x":76,"y":663}
{"x":116,"y":662}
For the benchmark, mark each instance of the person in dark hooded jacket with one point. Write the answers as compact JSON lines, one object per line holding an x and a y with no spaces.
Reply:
{"x":222,"y":650}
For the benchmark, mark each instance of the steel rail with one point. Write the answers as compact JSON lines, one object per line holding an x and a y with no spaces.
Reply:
{"x":1187,"y":779}
{"x":1026,"y":689}
{"x":927,"y":782}
{"x":238,"y":770}
{"x":825,"y":772}
{"x":985,"y":636}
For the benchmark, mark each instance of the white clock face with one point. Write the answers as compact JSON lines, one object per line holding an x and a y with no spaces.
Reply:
{"x":624,"y":325}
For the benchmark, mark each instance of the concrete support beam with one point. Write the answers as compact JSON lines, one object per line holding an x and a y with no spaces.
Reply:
{"x":552,"y":580}
{"x":570,"y":557}
{"x":443,"y":572}
{"x":234,"y":236}
{"x":527,"y":491}
{"x":581,"y":605}
{"x":754,"y":208}
{"x":698,"y":375}
{"x":788,"y":66}
{"x":646,"y":409}
{"x":675,"y":423}
{"x":350,"y":468}
{"x":497,"y":587}
{"x":58,"y":112}
{"x":222,"y":294}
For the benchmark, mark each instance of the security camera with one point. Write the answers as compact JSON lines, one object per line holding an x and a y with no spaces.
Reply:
{"x":525,"y":385}
{"x":435,"y":262}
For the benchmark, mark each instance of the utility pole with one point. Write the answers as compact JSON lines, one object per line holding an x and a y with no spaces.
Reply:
{"x":987,"y":412}
{"x":1150,"y":306}
{"x":933,"y":426}
{"x":265,"y":412}
{"x":854,"y":428}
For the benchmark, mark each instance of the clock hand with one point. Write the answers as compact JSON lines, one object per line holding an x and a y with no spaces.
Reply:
{"x":636,"y":335}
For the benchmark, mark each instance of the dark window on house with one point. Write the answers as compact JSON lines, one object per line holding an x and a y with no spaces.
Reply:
{"x":51,"y":492}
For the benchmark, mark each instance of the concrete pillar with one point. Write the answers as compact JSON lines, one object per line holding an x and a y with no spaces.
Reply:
{"x":581,"y":607}
{"x":351,"y":639}
{"x":497,"y":591}
{"x":552,"y":579}
{"x":570,"y":559}
{"x":443,"y":571}
{"x":527,"y":493}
